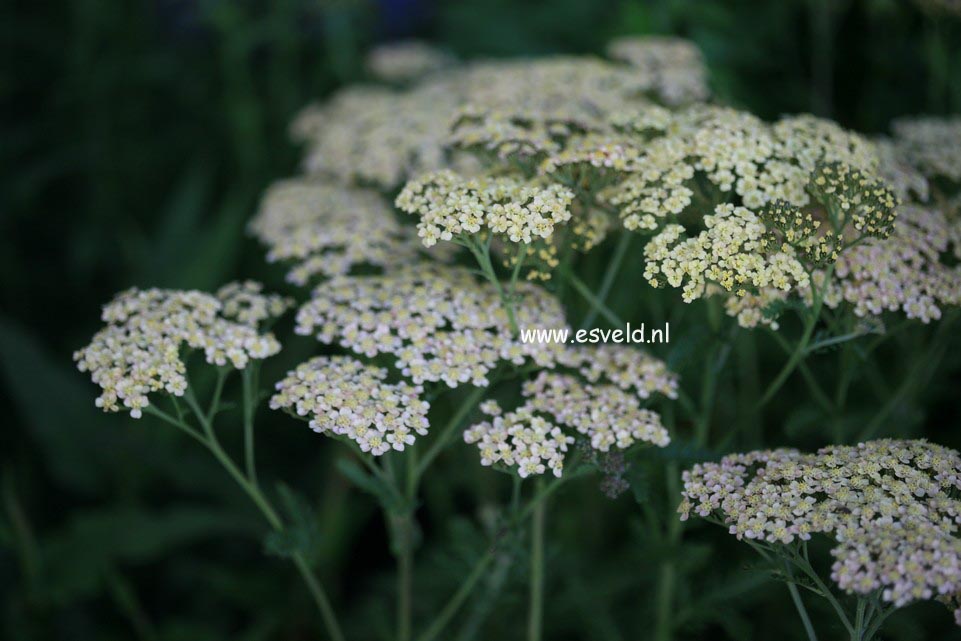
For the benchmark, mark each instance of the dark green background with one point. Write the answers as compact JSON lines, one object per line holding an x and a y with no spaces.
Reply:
{"x":135,"y":140}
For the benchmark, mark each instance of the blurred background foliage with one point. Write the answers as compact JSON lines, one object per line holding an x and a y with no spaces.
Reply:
{"x":136,"y":139}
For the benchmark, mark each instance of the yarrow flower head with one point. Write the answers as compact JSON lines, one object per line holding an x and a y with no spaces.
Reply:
{"x":325,"y":229}
{"x":932,"y":145}
{"x":597,"y":394}
{"x":519,"y":439}
{"x":343,"y":397}
{"x":891,"y":506}
{"x":406,"y":60}
{"x":904,"y":272}
{"x":675,"y":65}
{"x":140,"y":351}
{"x":378,"y":136}
{"x":530,"y":106}
{"x":734,"y":251}
{"x":440,"y":323}
{"x":514,"y":209}
{"x":737,"y":154}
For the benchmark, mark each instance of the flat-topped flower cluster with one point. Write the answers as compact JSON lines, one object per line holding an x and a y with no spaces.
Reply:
{"x":341,"y":396}
{"x":891,"y":505}
{"x":141,"y":349}
{"x":326,"y":229}
{"x":449,"y":206}
{"x":597,"y":393}
{"x":440,"y":323}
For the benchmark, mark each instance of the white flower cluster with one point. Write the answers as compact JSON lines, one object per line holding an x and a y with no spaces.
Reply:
{"x":908,"y":182}
{"x":343,"y":397}
{"x":931,"y":144}
{"x":325,"y":229}
{"x":378,"y":136}
{"x":631,"y":370}
{"x":405,"y":61}
{"x":600,"y":398}
{"x":440,"y":323}
{"x":532,"y":107}
{"x":521,"y":439}
{"x":891,"y":505}
{"x":246,"y":303}
{"x":675,"y":65}
{"x":450,"y":205}
{"x":139,"y":350}
{"x":733,"y":251}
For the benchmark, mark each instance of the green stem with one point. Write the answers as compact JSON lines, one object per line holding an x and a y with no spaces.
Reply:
{"x":405,"y":571}
{"x":799,"y":604}
{"x":262,"y":503}
{"x":248,"y":378}
{"x":879,"y":618}
{"x":453,"y":605}
{"x":517,"y":518}
{"x":800,"y":351}
{"x":820,"y":396}
{"x":405,"y":557}
{"x":536,"y":612}
{"x":610,"y":275}
{"x":483,"y":256}
{"x":667,"y":577}
{"x":859,"y":628}
{"x":595,"y":302}
{"x":805,"y":566}
{"x":450,"y":430}
{"x":218,"y":390}
{"x":917,"y":377}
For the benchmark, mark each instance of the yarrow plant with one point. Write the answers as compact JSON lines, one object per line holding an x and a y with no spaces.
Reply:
{"x":452,"y":206}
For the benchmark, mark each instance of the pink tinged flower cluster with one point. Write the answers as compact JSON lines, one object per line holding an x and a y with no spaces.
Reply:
{"x":343,"y":397}
{"x":891,"y":506}
{"x":904,"y":272}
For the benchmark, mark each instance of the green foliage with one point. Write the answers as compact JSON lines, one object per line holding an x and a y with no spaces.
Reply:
{"x":137,"y":138}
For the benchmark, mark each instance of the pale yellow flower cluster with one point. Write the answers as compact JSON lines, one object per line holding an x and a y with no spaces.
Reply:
{"x":733,"y":251}
{"x":450,"y":206}
{"x":735,"y":151}
{"x":440,"y":323}
{"x":324,"y":229}
{"x":343,"y":397}
{"x":597,"y":393}
{"x":405,"y":61}
{"x":675,"y":65}
{"x":891,"y":505}
{"x":855,"y":199}
{"x":139,"y":352}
